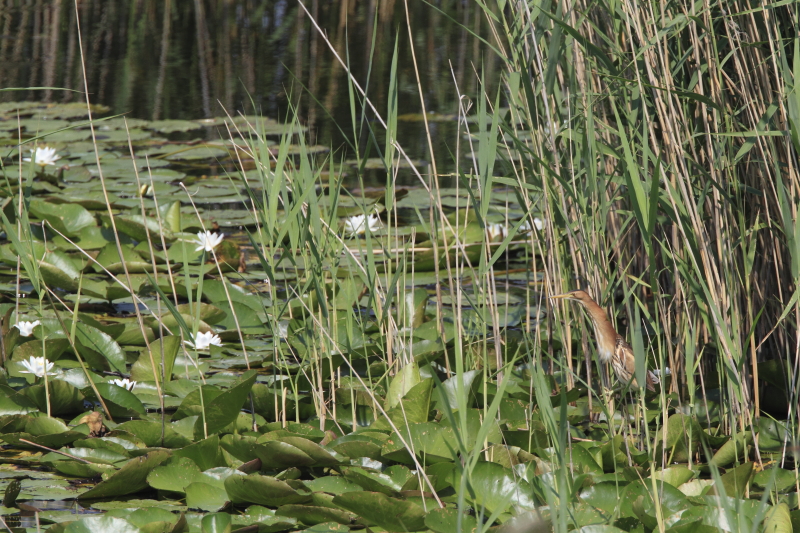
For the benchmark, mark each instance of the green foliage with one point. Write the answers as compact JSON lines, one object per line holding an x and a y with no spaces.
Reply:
{"x":387,"y":359}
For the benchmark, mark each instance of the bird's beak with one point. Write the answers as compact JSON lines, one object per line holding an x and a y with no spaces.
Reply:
{"x":566,"y":296}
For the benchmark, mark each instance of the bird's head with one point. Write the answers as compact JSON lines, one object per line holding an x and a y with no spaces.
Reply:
{"x":578,"y":296}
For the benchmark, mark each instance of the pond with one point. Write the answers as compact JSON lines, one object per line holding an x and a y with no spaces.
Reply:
{"x":230,"y":303}
{"x":160,"y":60}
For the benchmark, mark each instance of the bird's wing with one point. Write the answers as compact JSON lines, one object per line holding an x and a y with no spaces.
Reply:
{"x":623,"y":360}
{"x":623,"y":352}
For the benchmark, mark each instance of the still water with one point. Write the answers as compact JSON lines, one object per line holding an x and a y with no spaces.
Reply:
{"x":175,"y":59}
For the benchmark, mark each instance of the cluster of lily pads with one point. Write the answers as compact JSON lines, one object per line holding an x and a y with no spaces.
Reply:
{"x":217,"y":410}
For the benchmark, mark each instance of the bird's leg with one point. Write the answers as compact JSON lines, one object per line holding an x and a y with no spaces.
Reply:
{"x":604,"y":389}
{"x":608,"y":401}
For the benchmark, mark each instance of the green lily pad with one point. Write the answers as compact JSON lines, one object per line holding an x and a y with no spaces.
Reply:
{"x":205,"y":453}
{"x":332,"y":485}
{"x":150,"y":433}
{"x":224,"y":409}
{"x":778,"y":520}
{"x":139,"y":228}
{"x":119,"y":400}
{"x":68,"y":219}
{"x":312,"y":515}
{"x":263,"y":490}
{"x":130,"y":479}
{"x":101,"y":524}
{"x":55,"y":440}
{"x":674,"y":475}
{"x":193,"y":153}
{"x":64,"y":398}
{"x":445,"y":520}
{"x":205,"y":497}
{"x":372,"y":481}
{"x":355,"y":446}
{"x":735,"y":481}
{"x":93,"y":339}
{"x":172,"y":126}
{"x":320,"y":455}
{"x":391,"y":514}
{"x":173,"y":476}
{"x":415,"y":407}
{"x":76,"y":469}
{"x":163,"y":353}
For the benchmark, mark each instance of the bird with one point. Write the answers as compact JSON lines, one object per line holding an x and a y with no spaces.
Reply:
{"x":611,"y":347}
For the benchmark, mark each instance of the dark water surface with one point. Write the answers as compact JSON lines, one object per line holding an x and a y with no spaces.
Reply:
{"x":169,"y":59}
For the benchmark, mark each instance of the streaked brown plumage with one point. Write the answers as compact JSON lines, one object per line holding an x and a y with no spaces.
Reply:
{"x":611,"y":347}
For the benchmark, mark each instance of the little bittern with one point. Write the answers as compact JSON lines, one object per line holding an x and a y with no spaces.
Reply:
{"x":611,"y":347}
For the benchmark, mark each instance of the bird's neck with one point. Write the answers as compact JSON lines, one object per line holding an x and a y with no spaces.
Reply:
{"x":604,"y":331}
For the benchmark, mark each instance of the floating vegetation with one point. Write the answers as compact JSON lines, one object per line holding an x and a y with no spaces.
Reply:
{"x":204,"y":330}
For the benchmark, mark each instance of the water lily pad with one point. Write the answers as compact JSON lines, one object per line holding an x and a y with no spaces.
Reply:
{"x":150,"y":433}
{"x":139,"y":228}
{"x":64,"y":398}
{"x":55,"y":440}
{"x":174,"y":476}
{"x":101,"y":524}
{"x":68,"y":219}
{"x":130,"y":479}
{"x":320,"y":455}
{"x":172,"y":126}
{"x":332,"y":485}
{"x":70,"y":136}
{"x":414,"y":408}
{"x":355,"y":446}
{"x":391,"y":514}
{"x":312,"y":515}
{"x":224,"y":409}
{"x":95,"y":455}
{"x":778,"y":520}
{"x":205,"y":453}
{"x":445,"y":520}
{"x":150,"y":519}
{"x":264,"y":490}
{"x":784,"y":480}
{"x":194,"y":153}
{"x":373,"y":481}
{"x":192,"y":404}
{"x":735,"y":481}
{"x":38,"y":126}
{"x":735,"y":448}
{"x":205,"y":497}
{"x":497,"y":488}
{"x":93,"y":339}
{"x":674,"y":475}
{"x":76,"y":469}
{"x":163,"y":352}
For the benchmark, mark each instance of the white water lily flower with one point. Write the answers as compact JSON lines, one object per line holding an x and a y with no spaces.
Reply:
{"x":125,"y":383}
{"x":496,"y":231}
{"x":203,"y":340}
{"x":358,"y":224}
{"x":537,"y":223}
{"x":207,"y":241}
{"x":43,"y":156}
{"x":26,"y":328}
{"x":36,"y":366}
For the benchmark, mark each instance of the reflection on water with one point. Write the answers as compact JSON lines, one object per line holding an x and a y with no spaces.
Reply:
{"x":29,"y":519}
{"x":158,"y":59}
